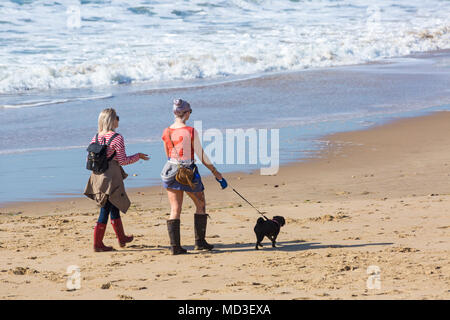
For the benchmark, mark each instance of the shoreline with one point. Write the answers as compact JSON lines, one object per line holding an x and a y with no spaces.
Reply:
{"x":315,"y":103}
{"x":140,"y":88}
{"x":332,"y":141}
{"x":376,"y":197}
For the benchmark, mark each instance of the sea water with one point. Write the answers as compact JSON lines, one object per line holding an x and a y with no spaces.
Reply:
{"x":66,"y":44}
{"x":308,"y":68}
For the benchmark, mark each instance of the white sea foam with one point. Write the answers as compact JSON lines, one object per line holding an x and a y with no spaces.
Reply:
{"x":39,"y":103}
{"x":27,"y":150}
{"x":138,"y":41}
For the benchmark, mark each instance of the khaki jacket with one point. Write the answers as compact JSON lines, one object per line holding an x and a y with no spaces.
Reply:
{"x":109,"y":186}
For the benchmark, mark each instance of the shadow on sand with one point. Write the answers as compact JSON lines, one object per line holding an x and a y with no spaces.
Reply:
{"x":289,"y":246}
{"x":294,"y":245}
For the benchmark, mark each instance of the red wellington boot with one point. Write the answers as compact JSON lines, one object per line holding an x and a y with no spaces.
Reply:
{"x":118,"y":228}
{"x":99,"y":233}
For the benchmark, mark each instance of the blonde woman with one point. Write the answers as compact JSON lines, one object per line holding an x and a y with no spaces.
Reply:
{"x":108,"y":188}
{"x":180,"y":143}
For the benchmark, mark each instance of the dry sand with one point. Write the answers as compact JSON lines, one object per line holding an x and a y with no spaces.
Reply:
{"x":379,"y":197}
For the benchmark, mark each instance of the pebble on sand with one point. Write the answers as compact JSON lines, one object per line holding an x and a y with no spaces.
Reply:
{"x":106,"y":286}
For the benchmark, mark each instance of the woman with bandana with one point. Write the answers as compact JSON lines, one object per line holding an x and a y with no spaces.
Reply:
{"x":180,"y":143}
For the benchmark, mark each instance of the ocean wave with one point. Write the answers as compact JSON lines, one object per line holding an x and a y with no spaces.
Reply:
{"x":135,"y":42}
{"x":130,"y":141}
{"x":27,"y":150}
{"x":39,"y":103}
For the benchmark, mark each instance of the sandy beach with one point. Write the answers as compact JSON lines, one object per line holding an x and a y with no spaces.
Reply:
{"x":378,"y":197}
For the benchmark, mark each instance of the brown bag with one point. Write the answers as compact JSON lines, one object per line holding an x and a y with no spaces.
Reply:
{"x":184,"y":175}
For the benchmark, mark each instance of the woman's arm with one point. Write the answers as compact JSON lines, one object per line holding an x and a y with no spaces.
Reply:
{"x":198,"y":149}
{"x":118,"y":145}
{"x":166,"y":149}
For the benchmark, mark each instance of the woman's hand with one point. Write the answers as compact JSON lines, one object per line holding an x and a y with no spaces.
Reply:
{"x":217,"y":174}
{"x":143,"y":156}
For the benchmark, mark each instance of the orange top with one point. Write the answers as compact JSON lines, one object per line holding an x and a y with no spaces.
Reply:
{"x":183,"y":140}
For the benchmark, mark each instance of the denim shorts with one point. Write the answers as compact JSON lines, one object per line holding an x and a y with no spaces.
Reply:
{"x":174,"y":184}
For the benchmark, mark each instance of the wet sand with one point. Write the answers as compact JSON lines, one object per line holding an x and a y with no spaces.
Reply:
{"x":378,"y":197}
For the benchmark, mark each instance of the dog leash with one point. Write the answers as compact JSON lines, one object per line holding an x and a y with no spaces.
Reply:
{"x":224,"y":184}
{"x":267,"y":219}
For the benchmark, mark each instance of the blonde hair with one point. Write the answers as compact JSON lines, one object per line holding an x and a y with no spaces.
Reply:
{"x":106,"y":120}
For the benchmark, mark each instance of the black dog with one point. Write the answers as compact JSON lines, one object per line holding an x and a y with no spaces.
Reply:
{"x":268,"y":228}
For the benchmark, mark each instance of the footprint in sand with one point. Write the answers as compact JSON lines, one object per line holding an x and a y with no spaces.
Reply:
{"x":106,"y":286}
{"x":22,"y":271}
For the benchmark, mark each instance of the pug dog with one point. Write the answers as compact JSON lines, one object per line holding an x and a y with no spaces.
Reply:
{"x":269,"y":229}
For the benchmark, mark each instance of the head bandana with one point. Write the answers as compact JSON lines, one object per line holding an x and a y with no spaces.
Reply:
{"x":180,"y":107}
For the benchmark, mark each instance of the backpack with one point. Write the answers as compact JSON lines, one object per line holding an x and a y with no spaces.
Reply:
{"x":97,"y":161}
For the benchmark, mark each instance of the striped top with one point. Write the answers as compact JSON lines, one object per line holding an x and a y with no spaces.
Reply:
{"x":118,"y":145}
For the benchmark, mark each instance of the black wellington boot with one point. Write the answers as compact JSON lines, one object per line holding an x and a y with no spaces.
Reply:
{"x":200,"y":221}
{"x":173,"y":227}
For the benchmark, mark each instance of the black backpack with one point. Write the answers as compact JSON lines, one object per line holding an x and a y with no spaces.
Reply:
{"x":97,"y":161}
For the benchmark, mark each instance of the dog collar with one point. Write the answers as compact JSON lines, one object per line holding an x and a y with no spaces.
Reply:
{"x":276,"y":222}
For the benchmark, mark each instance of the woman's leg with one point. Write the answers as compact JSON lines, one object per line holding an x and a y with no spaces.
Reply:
{"x":116,"y":222}
{"x":176,"y":202}
{"x":115,"y":212}
{"x":100,"y":228}
{"x":199,"y":201}
{"x":173,"y":224}
{"x":200,"y":220}
{"x":104,"y":213}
